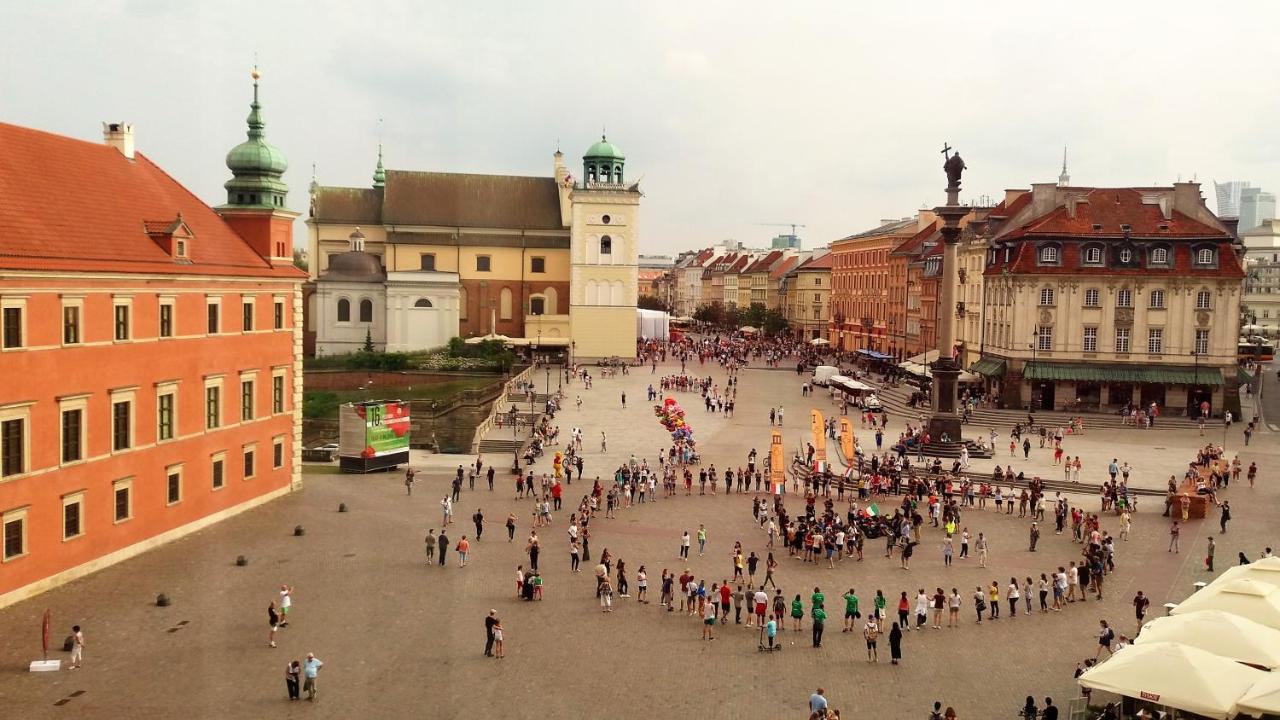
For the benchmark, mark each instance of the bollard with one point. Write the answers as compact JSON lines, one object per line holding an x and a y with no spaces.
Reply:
{"x":299,"y":531}
{"x":162,"y":600}
{"x":241,"y":561}
{"x":1197,"y":587}
{"x":342,"y":507}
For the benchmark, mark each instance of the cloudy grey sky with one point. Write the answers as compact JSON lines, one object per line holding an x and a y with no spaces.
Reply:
{"x":830,"y":114}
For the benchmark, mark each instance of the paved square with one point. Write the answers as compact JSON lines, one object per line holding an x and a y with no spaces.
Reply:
{"x":399,"y":638}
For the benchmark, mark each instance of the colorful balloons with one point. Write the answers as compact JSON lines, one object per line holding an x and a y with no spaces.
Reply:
{"x":671,"y":416}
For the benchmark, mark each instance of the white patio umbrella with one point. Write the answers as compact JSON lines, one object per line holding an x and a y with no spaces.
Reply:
{"x":1266,"y":569}
{"x":819,"y":341}
{"x":1221,"y":633}
{"x":483,"y":338}
{"x":1176,"y":676}
{"x":1246,"y":597}
{"x":1263,"y":699}
{"x":747,"y":329}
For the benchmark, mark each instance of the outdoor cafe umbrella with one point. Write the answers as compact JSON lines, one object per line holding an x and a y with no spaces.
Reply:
{"x":1253,"y":599}
{"x":1263,"y":699}
{"x":1219,"y":632}
{"x":1177,"y":676}
{"x":819,"y":341}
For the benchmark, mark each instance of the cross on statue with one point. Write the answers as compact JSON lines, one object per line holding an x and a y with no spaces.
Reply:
{"x":945,"y":149}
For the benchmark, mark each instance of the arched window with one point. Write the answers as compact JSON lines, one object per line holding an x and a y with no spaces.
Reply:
{"x":1126,"y":255}
{"x":606,"y":245}
{"x":1204,"y":300}
{"x":1159,"y":256}
{"x":615,"y":293}
{"x":592,"y":293}
{"x":1049,"y":255}
{"x":504,"y":304}
{"x":423,"y":303}
{"x":366,"y":310}
{"x":553,"y":300}
{"x":1204,"y":256}
{"x":344,"y":310}
{"x":1093,"y":255}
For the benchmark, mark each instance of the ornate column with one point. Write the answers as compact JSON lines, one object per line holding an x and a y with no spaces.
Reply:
{"x":945,"y":421}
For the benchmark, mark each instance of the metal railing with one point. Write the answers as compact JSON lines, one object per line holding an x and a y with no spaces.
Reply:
{"x":500,"y":406}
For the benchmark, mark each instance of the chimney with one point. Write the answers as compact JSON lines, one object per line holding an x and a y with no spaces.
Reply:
{"x":120,"y":137}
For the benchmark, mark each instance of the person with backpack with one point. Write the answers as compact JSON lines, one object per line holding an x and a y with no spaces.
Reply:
{"x":1105,"y":636}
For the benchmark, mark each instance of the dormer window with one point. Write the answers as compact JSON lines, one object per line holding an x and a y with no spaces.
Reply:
{"x":1204,"y":256}
{"x":1049,"y":255}
{"x":1159,"y":256}
{"x":1126,"y":255}
{"x":1093,"y":255}
{"x":1125,"y":227}
{"x":180,"y":249}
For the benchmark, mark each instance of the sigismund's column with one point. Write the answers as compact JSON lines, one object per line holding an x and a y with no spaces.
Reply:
{"x":944,"y":424}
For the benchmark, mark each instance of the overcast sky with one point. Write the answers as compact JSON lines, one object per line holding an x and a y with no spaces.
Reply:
{"x":734,"y":113}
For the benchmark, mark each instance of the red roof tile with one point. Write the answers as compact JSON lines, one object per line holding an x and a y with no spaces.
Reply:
{"x":824,"y":261}
{"x":784,"y":267}
{"x":1105,"y":210}
{"x":67,"y":204}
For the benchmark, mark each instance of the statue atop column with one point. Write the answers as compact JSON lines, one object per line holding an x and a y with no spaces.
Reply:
{"x":953,"y":166}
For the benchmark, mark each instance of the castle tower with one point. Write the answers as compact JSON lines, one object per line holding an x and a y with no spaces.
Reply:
{"x":256,"y":192}
{"x":603,"y":256}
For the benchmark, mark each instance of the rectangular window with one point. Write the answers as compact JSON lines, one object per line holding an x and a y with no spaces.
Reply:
{"x":482,"y":263}
{"x":121,"y":422}
{"x":1156,"y":299}
{"x":218,"y":476}
{"x":1091,"y":298}
{"x":1124,"y":298}
{"x":1122,"y":340}
{"x":1155,"y":341}
{"x":248,"y":464}
{"x":427,"y":261}
{"x":173,"y":486}
{"x":1044,"y":338}
{"x":72,"y":435}
{"x":277,"y":394}
{"x":538,"y":265}
{"x":70,"y":324}
{"x":1202,"y":342}
{"x":164,"y":416}
{"x":537,"y":305}
{"x":246,"y":316}
{"x":277,"y":314}
{"x":213,"y":318}
{"x":15,"y":533}
{"x":72,"y":516}
{"x":13,"y":446}
{"x":1046,"y":296}
{"x":122,"y":321}
{"x":166,"y":319}
{"x":1090,"y":342}
{"x":246,"y":400}
{"x":12,"y":321}
{"x":277,"y":454}
{"x":123,"y":499}
{"x":212,"y":407}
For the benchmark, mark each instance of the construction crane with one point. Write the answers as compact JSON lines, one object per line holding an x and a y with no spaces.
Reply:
{"x":793,"y":226}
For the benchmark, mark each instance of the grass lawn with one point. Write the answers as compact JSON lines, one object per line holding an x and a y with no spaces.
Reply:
{"x":324,"y":403}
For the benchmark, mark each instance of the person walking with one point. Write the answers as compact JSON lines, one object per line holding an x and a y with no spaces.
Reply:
{"x":490,"y":621}
{"x":819,"y":623}
{"x":443,"y":542}
{"x":511,"y":525}
{"x":286,"y":604}
{"x":431,"y":547}
{"x":478,"y":519}
{"x":77,"y":648}
{"x":463,"y":547}
{"x":274,"y":621}
{"x":1174,"y":532}
{"x":311,"y":669}
{"x":1035,"y":536}
{"x":1225,"y":506}
{"x":895,"y":644}
{"x":292,"y":678}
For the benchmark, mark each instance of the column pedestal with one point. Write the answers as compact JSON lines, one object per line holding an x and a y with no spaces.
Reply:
{"x":945,"y":420}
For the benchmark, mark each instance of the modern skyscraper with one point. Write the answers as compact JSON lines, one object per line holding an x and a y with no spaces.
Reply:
{"x":1229,"y":197}
{"x":1255,"y":206}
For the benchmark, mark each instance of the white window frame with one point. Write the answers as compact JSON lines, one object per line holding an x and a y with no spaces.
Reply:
{"x":1126,"y":255}
{"x":1155,"y":341}
{"x":171,"y":302}
{"x":1093,"y":255}
{"x":169,"y":388}
{"x":218,"y":457}
{"x":24,"y":340}
{"x":75,"y":498}
{"x":1201,"y":341}
{"x":283,"y":373}
{"x":1152,"y":298}
{"x":1089,"y":339}
{"x":126,"y":302}
{"x":252,"y":302}
{"x":121,"y":484}
{"x":179,"y":470}
{"x":245,"y":450}
{"x":1097,"y":298}
{"x":212,"y":382}
{"x":250,"y":376}
{"x":1207,"y":296}
{"x":1162,"y":258}
{"x":15,"y":515}
{"x":1204,"y":256}
{"x":1044,"y":338}
{"x":77,"y":302}
{"x":19,"y":411}
{"x":1049,"y":255}
{"x":1127,"y":295}
{"x":1125,"y":336}
{"x":129,"y":395}
{"x":74,"y":402}
{"x":1047,"y":297}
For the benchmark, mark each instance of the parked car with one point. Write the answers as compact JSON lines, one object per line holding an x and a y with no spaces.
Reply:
{"x":871,"y":402}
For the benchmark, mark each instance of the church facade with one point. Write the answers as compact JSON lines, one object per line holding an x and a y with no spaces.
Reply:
{"x":421,"y":257}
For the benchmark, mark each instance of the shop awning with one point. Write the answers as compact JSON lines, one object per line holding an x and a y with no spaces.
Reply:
{"x":990,"y":367}
{"x":874,"y":355}
{"x":1089,"y":372}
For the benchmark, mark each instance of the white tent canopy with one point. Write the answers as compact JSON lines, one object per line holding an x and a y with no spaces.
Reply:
{"x":1221,"y":633}
{"x":1176,"y":676}
{"x":653,"y":325}
{"x":1266,"y":569}
{"x":819,"y":341}
{"x":1263,"y":698}
{"x":924,"y":358}
{"x":747,"y":329}
{"x":1252,"y":599}
{"x":484,"y":338}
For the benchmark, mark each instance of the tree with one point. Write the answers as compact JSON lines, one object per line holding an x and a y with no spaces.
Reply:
{"x":649,"y":302}
{"x":753,"y":315}
{"x":299,"y":259}
{"x":774,"y":322}
{"x":711,"y":313}
{"x":368,"y":341}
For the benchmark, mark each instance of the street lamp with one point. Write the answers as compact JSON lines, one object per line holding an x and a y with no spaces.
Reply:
{"x":1035,"y":335}
{"x":515,"y":436}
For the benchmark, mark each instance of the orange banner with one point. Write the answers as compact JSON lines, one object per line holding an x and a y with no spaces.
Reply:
{"x":777,"y":464}
{"x":819,"y":426}
{"x":846,"y":440}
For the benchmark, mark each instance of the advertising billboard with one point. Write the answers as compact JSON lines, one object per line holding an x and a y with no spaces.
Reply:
{"x":373,"y":435}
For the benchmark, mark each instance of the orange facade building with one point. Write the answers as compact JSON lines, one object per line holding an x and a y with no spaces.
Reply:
{"x":860,"y":286}
{"x":150,"y":375}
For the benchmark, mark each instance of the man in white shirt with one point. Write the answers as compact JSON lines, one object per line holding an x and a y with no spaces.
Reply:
{"x":286,"y":603}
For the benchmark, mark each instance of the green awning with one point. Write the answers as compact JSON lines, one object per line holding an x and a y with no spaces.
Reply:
{"x":990,"y":367}
{"x":1119,"y":373}
{"x":1243,"y":376}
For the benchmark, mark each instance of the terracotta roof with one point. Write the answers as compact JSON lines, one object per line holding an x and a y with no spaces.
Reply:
{"x":1105,"y":210}
{"x":888,"y":228}
{"x":912,"y":245}
{"x":67,"y":204}
{"x":739,"y":264}
{"x":1022,"y":259}
{"x":355,"y":206}
{"x":784,"y":267}
{"x":764,"y":263}
{"x":825,"y":261}
{"x":461,"y":200}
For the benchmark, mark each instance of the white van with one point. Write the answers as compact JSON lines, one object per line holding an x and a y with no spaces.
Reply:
{"x":823,"y":373}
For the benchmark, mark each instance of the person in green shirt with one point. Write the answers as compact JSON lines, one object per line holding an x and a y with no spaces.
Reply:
{"x":816,"y":600}
{"x":797,"y":612}
{"x":850,"y":610}
{"x":819,"y":620}
{"x":880,"y":603}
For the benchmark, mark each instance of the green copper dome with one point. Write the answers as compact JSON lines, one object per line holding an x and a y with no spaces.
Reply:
{"x":256,"y":166}
{"x":604,"y":149}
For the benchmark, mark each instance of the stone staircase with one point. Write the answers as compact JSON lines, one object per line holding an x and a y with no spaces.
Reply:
{"x":495,"y":445}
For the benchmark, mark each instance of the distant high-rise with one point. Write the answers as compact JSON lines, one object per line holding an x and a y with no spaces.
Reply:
{"x":1229,"y":197}
{"x":1255,"y":206}
{"x":783,"y":242}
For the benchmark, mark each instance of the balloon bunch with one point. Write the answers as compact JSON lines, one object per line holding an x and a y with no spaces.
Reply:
{"x":671,"y":416}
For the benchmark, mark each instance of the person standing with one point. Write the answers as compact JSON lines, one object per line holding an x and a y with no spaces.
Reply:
{"x":77,"y":648}
{"x":1035,"y":536}
{"x":709,"y":620}
{"x":895,"y":644}
{"x":478,"y":519}
{"x":1225,"y":505}
{"x":274,"y":621}
{"x":1174,"y":532}
{"x":1140,"y":604}
{"x":292,"y":677}
{"x":490,"y":476}
{"x":819,"y":622}
{"x":286,"y":603}
{"x":431,"y":547}
{"x":497,"y":640}
{"x":490,"y":621}
{"x":684,"y":546}
{"x":982,"y":550}
{"x":310,"y":669}
{"x":702,"y":539}
{"x":1208,"y":558}
{"x":408,"y":481}
{"x":443,"y":542}
{"x":870,"y":632}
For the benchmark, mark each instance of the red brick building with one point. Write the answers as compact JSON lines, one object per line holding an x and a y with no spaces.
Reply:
{"x":149,"y":364}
